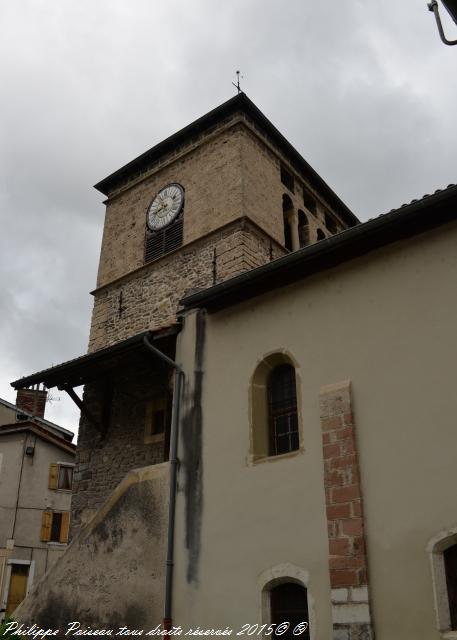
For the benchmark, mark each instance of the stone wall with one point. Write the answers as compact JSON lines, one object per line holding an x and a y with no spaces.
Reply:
{"x":103,"y":461}
{"x":210,"y":174}
{"x":263,"y":189}
{"x":150,"y":295}
{"x":227,"y":172}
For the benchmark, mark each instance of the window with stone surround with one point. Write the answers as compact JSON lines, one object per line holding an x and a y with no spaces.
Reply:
{"x":274,"y":408}
{"x":157,"y":419}
{"x":294,"y":599}
{"x":443,"y":556}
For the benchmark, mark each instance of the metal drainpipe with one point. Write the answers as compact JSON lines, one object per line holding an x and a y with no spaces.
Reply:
{"x":179,"y":377}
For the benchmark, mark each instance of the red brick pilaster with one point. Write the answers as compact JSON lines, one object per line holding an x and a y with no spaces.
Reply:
{"x":346,"y":532}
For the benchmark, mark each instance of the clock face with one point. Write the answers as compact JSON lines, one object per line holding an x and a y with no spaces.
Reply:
{"x":165,"y":207}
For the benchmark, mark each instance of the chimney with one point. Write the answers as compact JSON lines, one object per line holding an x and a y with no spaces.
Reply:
{"x":32,"y":400}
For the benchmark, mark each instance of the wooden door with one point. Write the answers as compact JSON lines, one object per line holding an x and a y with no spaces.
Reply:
{"x":18,"y":586}
{"x":289,"y":603}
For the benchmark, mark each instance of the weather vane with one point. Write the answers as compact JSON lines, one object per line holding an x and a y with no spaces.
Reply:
{"x":237,"y":85}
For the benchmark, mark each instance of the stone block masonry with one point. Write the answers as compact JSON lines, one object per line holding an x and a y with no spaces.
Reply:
{"x":102,"y":462}
{"x":209,"y":171}
{"x":346,"y":533}
{"x":151,"y":294}
{"x":229,"y":171}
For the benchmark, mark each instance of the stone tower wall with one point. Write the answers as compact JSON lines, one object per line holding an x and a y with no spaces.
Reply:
{"x":102,"y":461}
{"x":263,"y":189}
{"x":150,"y":295}
{"x":211,"y":177}
{"x":227,"y":173}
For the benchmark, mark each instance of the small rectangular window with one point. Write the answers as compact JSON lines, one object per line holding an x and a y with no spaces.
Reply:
{"x":65,"y":478}
{"x":287,"y":179}
{"x":55,"y":526}
{"x":60,"y":476}
{"x":156,"y":420}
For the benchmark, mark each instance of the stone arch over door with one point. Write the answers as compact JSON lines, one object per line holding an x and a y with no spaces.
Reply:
{"x":280,"y":574}
{"x":436,"y":547}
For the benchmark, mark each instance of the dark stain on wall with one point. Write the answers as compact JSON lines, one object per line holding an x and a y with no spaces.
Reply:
{"x":192,"y":444}
{"x":133,"y":522}
{"x":57,"y":614}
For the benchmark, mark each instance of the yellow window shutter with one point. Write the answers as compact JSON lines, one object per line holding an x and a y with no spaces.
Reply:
{"x":53,"y":475}
{"x":64,"y":527}
{"x":46,"y":523}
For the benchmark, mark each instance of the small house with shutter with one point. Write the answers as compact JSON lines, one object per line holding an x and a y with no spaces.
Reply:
{"x":36,"y":471}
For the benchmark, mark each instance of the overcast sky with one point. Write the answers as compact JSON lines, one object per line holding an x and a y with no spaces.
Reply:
{"x":364,"y":89}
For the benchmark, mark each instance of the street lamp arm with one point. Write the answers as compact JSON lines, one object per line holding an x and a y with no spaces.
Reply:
{"x":433,"y":6}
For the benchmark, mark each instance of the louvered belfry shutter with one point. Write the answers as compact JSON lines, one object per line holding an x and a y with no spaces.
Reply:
{"x":158,"y":243}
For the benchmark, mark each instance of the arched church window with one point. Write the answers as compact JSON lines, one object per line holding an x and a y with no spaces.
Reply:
{"x":274,"y":407}
{"x":289,"y":603}
{"x":303,"y":229}
{"x":287,"y":211}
